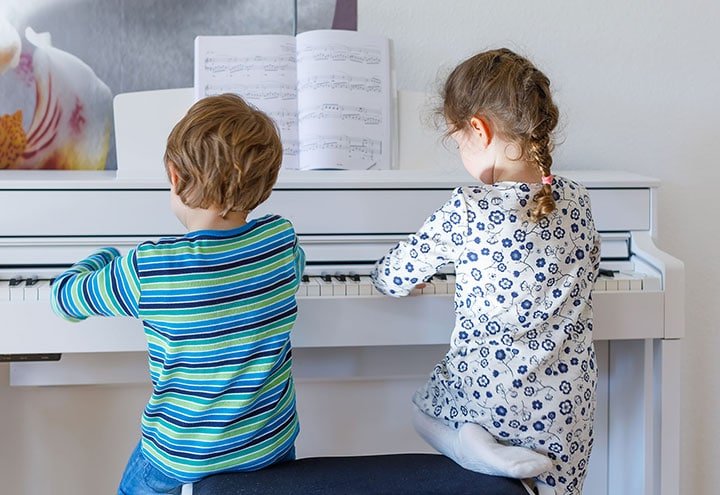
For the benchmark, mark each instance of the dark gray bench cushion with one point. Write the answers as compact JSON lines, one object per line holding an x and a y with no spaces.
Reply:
{"x":397,"y":474}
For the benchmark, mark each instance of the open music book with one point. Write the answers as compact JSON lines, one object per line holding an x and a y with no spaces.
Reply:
{"x":329,"y":92}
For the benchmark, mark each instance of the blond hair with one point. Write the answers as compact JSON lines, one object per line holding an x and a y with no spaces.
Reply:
{"x":226,"y":155}
{"x":514,"y":96}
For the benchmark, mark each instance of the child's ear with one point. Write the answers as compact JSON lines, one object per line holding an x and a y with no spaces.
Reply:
{"x":481,"y":128}
{"x":172,"y":174}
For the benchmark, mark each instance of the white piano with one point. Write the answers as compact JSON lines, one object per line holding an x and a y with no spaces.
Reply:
{"x":359,"y":355}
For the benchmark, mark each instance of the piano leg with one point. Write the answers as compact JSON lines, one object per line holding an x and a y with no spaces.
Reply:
{"x":668,"y":368}
{"x":643,"y":447}
{"x":631,"y":417}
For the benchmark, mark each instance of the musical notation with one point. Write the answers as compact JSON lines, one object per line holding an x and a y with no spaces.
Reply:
{"x":227,"y":66}
{"x":291,"y":148}
{"x":368,"y":116}
{"x":361,"y":148}
{"x":332,"y":111}
{"x":371,"y":85}
{"x":285,"y":120}
{"x":267,"y":91}
{"x":340,"y":53}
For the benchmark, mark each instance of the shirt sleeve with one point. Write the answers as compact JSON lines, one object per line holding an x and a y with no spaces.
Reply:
{"x":299,"y":255}
{"x":103,"y":284}
{"x":439,"y":241}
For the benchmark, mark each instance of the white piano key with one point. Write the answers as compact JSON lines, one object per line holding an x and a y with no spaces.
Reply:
{"x":611,"y":284}
{"x":636,"y":283}
{"x":599,"y":283}
{"x":441,"y":286}
{"x":623,"y":284}
{"x":17,"y":293}
{"x":313,"y":287}
{"x":417,"y":291}
{"x":30,"y":292}
{"x":429,"y":288}
{"x":4,"y":290}
{"x":451,"y":284}
{"x":338,"y":288}
{"x":365,"y":286}
{"x":352,"y":288}
{"x":44,"y":290}
{"x":326,"y":287}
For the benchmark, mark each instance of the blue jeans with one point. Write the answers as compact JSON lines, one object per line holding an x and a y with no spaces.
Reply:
{"x":142,"y":478}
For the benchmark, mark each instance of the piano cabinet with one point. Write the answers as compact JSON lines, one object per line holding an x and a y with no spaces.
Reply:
{"x":358,"y":354}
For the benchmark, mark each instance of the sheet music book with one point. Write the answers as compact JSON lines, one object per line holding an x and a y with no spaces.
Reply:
{"x":329,"y":92}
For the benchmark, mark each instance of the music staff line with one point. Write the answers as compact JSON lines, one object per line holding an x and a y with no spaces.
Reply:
{"x":342,"y":81}
{"x":365,"y":149}
{"x":368,"y":116}
{"x":267,"y":91}
{"x":340,"y":53}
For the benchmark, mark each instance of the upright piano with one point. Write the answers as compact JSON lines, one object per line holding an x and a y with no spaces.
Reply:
{"x":358,"y":355}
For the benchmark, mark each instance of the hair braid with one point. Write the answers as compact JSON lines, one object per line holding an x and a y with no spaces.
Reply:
{"x":538,"y":151}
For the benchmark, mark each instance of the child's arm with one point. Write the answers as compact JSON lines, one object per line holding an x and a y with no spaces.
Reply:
{"x":299,"y":255}
{"x":103,"y":284}
{"x":439,"y":241}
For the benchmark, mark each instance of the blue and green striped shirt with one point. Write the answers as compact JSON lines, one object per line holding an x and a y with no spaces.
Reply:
{"x":217,"y":308}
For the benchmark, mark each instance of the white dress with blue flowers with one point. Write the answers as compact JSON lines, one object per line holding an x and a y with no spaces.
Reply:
{"x":521,"y":361}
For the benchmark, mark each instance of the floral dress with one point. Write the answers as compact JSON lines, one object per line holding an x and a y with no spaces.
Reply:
{"x":521,"y":361}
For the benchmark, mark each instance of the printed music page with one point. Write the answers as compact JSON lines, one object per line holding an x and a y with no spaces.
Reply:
{"x":344,"y":100}
{"x":261,"y":69}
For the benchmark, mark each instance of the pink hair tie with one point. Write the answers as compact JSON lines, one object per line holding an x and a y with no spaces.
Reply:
{"x":547,"y":179}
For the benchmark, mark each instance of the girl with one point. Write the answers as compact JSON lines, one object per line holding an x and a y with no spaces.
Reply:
{"x":515,"y":393}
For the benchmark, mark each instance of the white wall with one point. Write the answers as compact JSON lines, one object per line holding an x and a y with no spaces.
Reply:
{"x":637,"y":83}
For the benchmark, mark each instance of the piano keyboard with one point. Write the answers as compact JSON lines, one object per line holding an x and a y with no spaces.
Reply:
{"x":337,"y":284}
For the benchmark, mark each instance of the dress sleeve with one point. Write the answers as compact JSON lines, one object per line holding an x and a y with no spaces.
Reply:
{"x":439,"y":241}
{"x":103,"y":284}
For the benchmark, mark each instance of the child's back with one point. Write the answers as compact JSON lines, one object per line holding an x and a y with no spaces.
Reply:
{"x":217,"y":308}
{"x":217,"y":305}
{"x":515,"y":393}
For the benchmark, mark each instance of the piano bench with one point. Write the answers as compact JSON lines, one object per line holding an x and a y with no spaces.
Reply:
{"x":395,"y":474}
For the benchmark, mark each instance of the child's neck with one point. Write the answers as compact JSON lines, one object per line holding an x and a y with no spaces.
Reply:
{"x":210,"y":219}
{"x":515,"y":171}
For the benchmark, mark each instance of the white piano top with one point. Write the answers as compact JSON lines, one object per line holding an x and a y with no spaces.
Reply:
{"x":312,"y":179}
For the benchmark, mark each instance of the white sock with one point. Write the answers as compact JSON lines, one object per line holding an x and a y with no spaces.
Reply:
{"x":475,"y":449}
{"x":484,"y":454}
{"x":544,"y":488}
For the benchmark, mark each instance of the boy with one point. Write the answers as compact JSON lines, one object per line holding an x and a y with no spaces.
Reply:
{"x":217,"y":305}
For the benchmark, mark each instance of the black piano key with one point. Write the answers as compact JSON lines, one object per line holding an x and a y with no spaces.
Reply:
{"x":31,"y":281}
{"x":14,"y":282}
{"x":326,"y":278}
{"x":340,"y":277}
{"x":305,"y":278}
{"x":355,"y":277}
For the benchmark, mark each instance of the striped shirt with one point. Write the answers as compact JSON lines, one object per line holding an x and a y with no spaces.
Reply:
{"x":217,"y":308}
